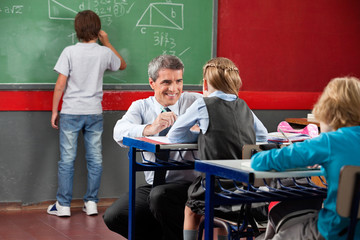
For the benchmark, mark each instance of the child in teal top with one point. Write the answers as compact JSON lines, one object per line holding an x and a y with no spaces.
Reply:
{"x":338,"y":111}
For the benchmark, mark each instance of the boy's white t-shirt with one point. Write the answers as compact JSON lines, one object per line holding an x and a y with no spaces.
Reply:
{"x":84,"y":64}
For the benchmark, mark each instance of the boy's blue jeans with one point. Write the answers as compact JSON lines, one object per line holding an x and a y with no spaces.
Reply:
{"x":70,"y":126}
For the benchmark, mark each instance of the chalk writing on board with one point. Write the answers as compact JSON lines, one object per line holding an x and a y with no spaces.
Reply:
{"x":184,"y":51}
{"x":173,"y":52}
{"x":162,"y":39}
{"x":167,"y":43}
{"x":63,"y":9}
{"x":73,"y":37}
{"x":106,"y":9}
{"x":14,"y":9}
{"x":163,"y":15}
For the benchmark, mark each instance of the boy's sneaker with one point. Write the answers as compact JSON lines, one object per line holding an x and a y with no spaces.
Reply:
{"x":58,"y":210}
{"x":90,"y":208}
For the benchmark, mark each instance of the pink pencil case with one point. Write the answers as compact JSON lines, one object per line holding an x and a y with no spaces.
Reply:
{"x":311,"y":129}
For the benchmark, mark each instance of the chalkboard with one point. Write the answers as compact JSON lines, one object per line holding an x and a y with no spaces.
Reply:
{"x":34,"y":32}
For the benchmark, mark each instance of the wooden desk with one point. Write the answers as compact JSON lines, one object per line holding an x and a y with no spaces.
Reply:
{"x":146,"y":145}
{"x":240,"y":170}
{"x":300,"y":121}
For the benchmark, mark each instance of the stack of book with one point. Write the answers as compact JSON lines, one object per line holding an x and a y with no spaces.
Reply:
{"x":311,"y":118}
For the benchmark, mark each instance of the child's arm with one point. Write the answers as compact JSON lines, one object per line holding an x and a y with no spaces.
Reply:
{"x":302,"y":154}
{"x":58,"y":91}
{"x":260,"y":130}
{"x":104,"y":39}
{"x":180,"y":131}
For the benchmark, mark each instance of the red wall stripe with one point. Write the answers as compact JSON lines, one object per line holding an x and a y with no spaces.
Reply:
{"x":280,"y":100}
{"x":121,"y":100}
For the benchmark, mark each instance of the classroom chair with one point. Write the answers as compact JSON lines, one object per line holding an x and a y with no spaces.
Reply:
{"x":348,"y":197}
{"x":251,"y":149}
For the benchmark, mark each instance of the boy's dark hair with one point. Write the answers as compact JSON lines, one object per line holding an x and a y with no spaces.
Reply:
{"x":87,"y":25}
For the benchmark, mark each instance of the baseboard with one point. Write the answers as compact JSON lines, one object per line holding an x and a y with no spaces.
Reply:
{"x":76,"y":203}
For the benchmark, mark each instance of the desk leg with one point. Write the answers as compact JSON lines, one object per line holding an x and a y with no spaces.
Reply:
{"x":209,"y":207}
{"x":132,"y":185}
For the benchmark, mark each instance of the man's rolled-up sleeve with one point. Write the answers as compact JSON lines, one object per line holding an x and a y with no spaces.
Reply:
{"x":130,"y":125}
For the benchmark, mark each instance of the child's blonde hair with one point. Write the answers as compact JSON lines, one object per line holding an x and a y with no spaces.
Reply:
{"x":223,"y":75}
{"x":339,"y":104}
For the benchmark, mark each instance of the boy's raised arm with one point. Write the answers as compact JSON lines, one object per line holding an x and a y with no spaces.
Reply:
{"x":104,"y":39}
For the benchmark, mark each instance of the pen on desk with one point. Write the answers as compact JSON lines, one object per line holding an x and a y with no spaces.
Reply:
{"x":285,"y":136}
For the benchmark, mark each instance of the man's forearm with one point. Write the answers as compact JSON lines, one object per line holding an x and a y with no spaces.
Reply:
{"x":126,"y":129}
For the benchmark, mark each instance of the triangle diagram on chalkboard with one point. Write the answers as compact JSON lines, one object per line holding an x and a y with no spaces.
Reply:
{"x":164,"y":15}
{"x":62,"y":9}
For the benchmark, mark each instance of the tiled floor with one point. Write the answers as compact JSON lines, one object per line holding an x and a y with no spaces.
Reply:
{"x":38,"y":225}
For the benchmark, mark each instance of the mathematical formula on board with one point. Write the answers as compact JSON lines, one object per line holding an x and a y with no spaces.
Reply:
{"x":12,"y":9}
{"x":160,"y":15}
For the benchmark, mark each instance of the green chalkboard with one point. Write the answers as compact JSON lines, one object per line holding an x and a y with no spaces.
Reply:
{"x":34,"y":32}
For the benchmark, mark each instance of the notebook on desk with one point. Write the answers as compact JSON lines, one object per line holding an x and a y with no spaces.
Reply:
{"x":157,"y":140}
{"x":294,"y":137}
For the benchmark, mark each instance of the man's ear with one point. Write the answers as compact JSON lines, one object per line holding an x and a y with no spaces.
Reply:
{"x":152,"y":83}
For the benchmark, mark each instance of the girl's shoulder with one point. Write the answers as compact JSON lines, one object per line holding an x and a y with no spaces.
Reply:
{"x":188,"y":98}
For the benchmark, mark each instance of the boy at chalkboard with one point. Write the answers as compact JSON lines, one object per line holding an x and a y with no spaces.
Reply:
{"x":81,"y":68}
